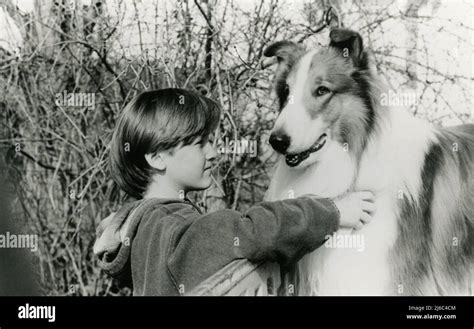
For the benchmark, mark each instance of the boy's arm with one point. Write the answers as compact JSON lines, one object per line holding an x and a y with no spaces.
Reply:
{"x":281,"y":231}
{"x":284,"y":231}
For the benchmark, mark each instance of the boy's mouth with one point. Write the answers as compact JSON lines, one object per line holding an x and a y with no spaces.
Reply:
{"x":292,"y":160}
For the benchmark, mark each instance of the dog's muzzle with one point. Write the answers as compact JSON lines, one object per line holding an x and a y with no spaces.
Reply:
{"x":292,"y":160}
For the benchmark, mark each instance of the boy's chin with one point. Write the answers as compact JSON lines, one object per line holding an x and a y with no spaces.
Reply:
{"x":207,"y":184}
{"x":204,"y":185}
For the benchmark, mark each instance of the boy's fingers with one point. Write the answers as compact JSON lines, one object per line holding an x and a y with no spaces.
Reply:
{"x":365,"y":218}
{"x":366,"y":195}
{"x":359,"y":225}
{"x":368,"y":206}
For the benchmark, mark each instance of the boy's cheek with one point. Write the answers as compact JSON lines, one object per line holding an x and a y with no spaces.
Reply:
{"x":183,"y":158}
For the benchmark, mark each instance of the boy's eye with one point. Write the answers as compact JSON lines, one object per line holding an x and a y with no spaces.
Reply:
{"x":205,"y":140}
{"x":198,"y":141}
{"x":201,"y":141}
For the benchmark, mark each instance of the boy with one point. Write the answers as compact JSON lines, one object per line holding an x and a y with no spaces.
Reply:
{"x":160,"y":150}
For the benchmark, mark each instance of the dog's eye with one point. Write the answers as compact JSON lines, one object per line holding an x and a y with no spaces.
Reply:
{"x":322,"y":91}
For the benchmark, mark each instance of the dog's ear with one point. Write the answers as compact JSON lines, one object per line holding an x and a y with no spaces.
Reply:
{"x":349,"y":43}
{"x":287,"y":53}
{"x":284,"y":51}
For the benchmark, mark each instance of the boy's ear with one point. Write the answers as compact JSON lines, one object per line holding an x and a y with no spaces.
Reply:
{"x":156,"y":160}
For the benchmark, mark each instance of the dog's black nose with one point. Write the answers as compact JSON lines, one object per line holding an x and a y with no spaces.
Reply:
{"x":279,"y":142}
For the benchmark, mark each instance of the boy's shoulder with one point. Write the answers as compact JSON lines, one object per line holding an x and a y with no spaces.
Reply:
{"x":141,"y":215}
{"x":139,"y":224}
{"x":159,"y":211}
{"x":175,"y":207}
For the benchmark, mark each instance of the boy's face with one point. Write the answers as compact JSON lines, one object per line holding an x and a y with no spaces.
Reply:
{"x":189,"y":167}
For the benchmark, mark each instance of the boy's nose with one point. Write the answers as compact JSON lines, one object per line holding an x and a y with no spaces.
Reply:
{"x":211,"y":153}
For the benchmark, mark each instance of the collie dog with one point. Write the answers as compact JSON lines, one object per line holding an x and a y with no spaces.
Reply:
{"x":334,"y":135}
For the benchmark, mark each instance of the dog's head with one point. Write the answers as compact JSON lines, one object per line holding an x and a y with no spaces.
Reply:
{"x":324,"y":97}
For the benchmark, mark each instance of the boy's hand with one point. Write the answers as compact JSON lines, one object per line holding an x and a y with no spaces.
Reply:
{"x":356,"y":209}
{"x":107,"y":235}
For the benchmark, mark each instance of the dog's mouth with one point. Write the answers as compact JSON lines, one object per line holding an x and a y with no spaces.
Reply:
{"x":292,"y":160}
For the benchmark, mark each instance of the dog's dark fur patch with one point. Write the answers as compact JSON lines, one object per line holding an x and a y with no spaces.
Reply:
{"x":364,"y":91}
{"x":427,"y":263}
{"x":412,"y":248}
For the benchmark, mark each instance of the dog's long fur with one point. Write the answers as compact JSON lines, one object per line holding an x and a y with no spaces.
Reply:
{"x":421,"y":240}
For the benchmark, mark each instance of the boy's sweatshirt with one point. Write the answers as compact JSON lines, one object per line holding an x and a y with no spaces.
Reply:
{"x":167,"y":246}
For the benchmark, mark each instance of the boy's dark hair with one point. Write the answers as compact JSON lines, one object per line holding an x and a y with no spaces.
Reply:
{"x":154,"y":121}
